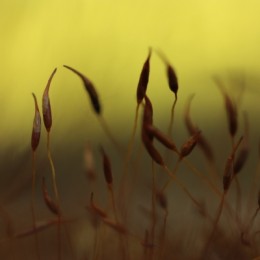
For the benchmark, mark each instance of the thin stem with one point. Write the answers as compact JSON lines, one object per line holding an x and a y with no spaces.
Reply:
{"x":109,"y":134}
{"x":215,"y":225}
{"x":172,"y":117}
{"x":33,"y":206}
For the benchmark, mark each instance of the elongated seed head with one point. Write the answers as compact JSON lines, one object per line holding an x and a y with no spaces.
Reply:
{"x":91,"y":90}
{"x":172,"y":80}
{"x":171,"y":74}
{"x":152,"y":151}
{"x":106,"y":167}
{"x":192,"y":129}
{"x":189,"y":145}
{"x":46,"y":106}
{"x":161,"y":137}
{"x":143,"y":79}
{"x":52,"y":206}
{"x":36,"y":131}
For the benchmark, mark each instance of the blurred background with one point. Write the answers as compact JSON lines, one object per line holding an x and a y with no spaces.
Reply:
{"x":108,"y":41}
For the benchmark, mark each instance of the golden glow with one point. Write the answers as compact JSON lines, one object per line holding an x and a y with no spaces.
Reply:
{"x":108,"y":41}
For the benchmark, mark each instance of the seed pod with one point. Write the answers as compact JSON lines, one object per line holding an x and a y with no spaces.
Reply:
{"x":171,"y":74}
{"x":106,"y":167}
{"x":36,"y":131}
{"x":46,"y":106}
{"x":228,"y":173}
{"x":162,"y":138}
{"x":151,"y":149}
{"x":143,"y":79}
{"x":189,"y":145}
{"x":241,"y":159}
{"x":162,"y":200}
{"x":52,"y":206}
{"x":244,"y":151}
{"x":229,"y":170}
{"x":90,"y":89}
{"x":230,"y":109}
{"x":192,"y":129}
{"x":147,"y":117}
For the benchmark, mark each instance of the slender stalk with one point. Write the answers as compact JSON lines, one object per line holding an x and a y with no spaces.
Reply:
{"x":33,"y":206}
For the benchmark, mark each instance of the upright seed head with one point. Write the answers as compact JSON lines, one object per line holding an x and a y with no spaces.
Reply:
{"x":89,"y":87}
{"x":106,"y":167}
{"x":143,"y":79}
{"x":36,"y":131}
{"x":46,"y":106}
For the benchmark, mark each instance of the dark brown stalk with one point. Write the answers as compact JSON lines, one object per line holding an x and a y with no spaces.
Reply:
{"x":35,"y":139}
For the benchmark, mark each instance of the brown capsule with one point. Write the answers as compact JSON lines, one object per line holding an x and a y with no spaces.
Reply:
{"x":229,"y":169}
{"x":147,"y":118}
{"x":162,"y":138}
{"x":36,"y":131}
{"x":228,"y":173}
{"x":244,"y":151}
{"x":155,"y":155}
{"x":46,"y":106}
{"x":171,"y":74}
{"x":52,"y":206}
{"x":90,"y":89}
{"x":230,"y":109}
{"x":106,"y":167}
{"x":143,"y":79}
{"x":161,"y":199}
{"x":189,"y":145}
{"x":192,"y":129}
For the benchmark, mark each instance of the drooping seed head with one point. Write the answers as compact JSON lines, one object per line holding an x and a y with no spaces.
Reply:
{"x":162,"y":199}
{"x":161,"y":137}
{"x":241,"y":159}
{"x":231,"y":109}
{"x":91,"y":90}
{"x":192,"y":129}
{"x":229,"y":169}
{"x":36,"y":131}
{"x":52,"y":206}
{"x":189,"y":145}
{"x":106,"y":167}
{"x":46,"y":106}
{"x":143,"y":79}
{"x":152,"y":151}
{"x":171,"y":74}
